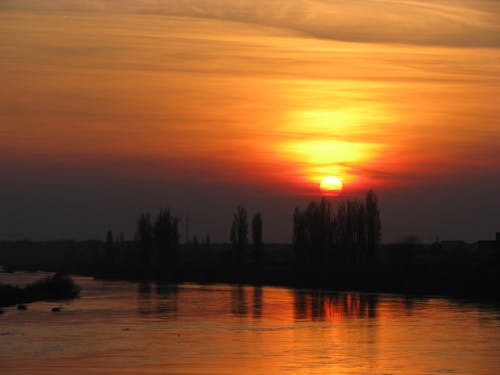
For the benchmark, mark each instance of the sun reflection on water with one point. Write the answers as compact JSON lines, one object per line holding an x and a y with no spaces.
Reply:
{"x":118,"y":327}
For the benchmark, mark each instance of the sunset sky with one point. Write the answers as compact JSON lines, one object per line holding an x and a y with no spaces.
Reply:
{"x":113,"y":107}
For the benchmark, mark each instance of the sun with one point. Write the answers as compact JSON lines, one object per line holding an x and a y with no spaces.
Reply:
{"x":331,"y":185}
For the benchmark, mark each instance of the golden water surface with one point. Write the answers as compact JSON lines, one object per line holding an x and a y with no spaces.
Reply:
{"x":125,"y":327}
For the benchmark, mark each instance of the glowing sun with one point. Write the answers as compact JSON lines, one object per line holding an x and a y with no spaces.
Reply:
{"x":331,"y":185}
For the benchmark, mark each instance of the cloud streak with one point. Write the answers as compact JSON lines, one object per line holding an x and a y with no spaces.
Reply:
{"x":469,"y":23}
{"x":245,"y":95}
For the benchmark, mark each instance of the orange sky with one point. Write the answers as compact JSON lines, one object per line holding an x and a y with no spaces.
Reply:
{"x":275,"y":95}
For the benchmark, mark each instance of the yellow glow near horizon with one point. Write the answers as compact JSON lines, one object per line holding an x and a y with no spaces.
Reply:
{"x":331,"y":185}
{"x":333,"y":142}
{"x":320,"y":158}
{"x":393,"y":93}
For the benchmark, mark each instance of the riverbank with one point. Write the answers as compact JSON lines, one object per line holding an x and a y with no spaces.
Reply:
{"x":404,"y":268}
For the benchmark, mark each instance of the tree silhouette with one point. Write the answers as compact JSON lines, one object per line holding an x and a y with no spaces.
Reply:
{"x":373,"y":225}
{"x":145,"y":236}
{"x":313,"y":235}
{"x":109,"y":238}
{"x":257,"y":235}
{"x":166,"y":235}
{"x":350,"y":231}
{"x":206,"y":242}
{"x":109,"y":247}
{"x":351,"y":234}
{"x":300,"y":237}
{"x":239,"y":229}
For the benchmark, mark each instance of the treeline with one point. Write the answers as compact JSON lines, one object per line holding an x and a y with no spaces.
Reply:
{"x":239,"y":232}
{"x":158,"y":238}
{"x":331,"y":241}
{"x":335,"y":245}
{"x":324,"y":236}
{"x":349,"y":234}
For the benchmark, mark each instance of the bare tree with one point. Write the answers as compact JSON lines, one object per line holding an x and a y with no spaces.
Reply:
{"x":351,"y":234}
{"x":373,"y":225}
{"x":109,"y":246}
{"x":257,"y":235}
{"x":239,"y":229}
{"x":166,"y":234}
{"x":313,"y":234}
{"x":145,"y":236}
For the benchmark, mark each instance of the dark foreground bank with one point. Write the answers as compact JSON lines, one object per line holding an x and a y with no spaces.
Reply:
{"x":57,"y":287}
{"x":413,"y":269}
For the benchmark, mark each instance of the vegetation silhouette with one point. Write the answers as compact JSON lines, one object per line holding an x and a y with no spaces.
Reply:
{"x":239,"y":230}
{"x":166,"y":235}
{"x":323,"y":237}
{"x":257,"y":236}
{"x":373,"y":225}
{"x":158,"y":244}
{"x":334,"y":246}
{"x":56,"y":287}
{"x":145,"y":236}
{"x":110,"y":247}
{"x":313,"y":238}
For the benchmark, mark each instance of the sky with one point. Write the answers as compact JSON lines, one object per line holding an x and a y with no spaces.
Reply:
{"x":110,"y":108}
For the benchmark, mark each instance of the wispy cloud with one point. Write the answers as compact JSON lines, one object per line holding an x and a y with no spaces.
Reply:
{"x":472,"y":23}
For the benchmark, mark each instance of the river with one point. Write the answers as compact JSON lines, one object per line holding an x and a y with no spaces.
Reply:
{"x":136,"y":328}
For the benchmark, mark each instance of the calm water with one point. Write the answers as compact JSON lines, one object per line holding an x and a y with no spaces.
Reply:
{"x":125,"y":327}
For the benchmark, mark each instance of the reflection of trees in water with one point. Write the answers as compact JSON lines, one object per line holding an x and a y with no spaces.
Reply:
{"x":163,"y":302}
{"x":257,"y":302}
{"x":322,"y":306}
{"x":352,"y":311}
{"x":167,"y":295}
{"x":240,"y":301}
{"x":300,"y":310}
{"x":144,"y":289}
{"x":409,"y":304}
{"x":145,"y":303}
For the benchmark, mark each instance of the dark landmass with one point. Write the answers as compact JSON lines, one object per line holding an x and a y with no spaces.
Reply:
{"x":57,"y":287}
{"x":333,"y":247}
{"x":452,"y":269}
